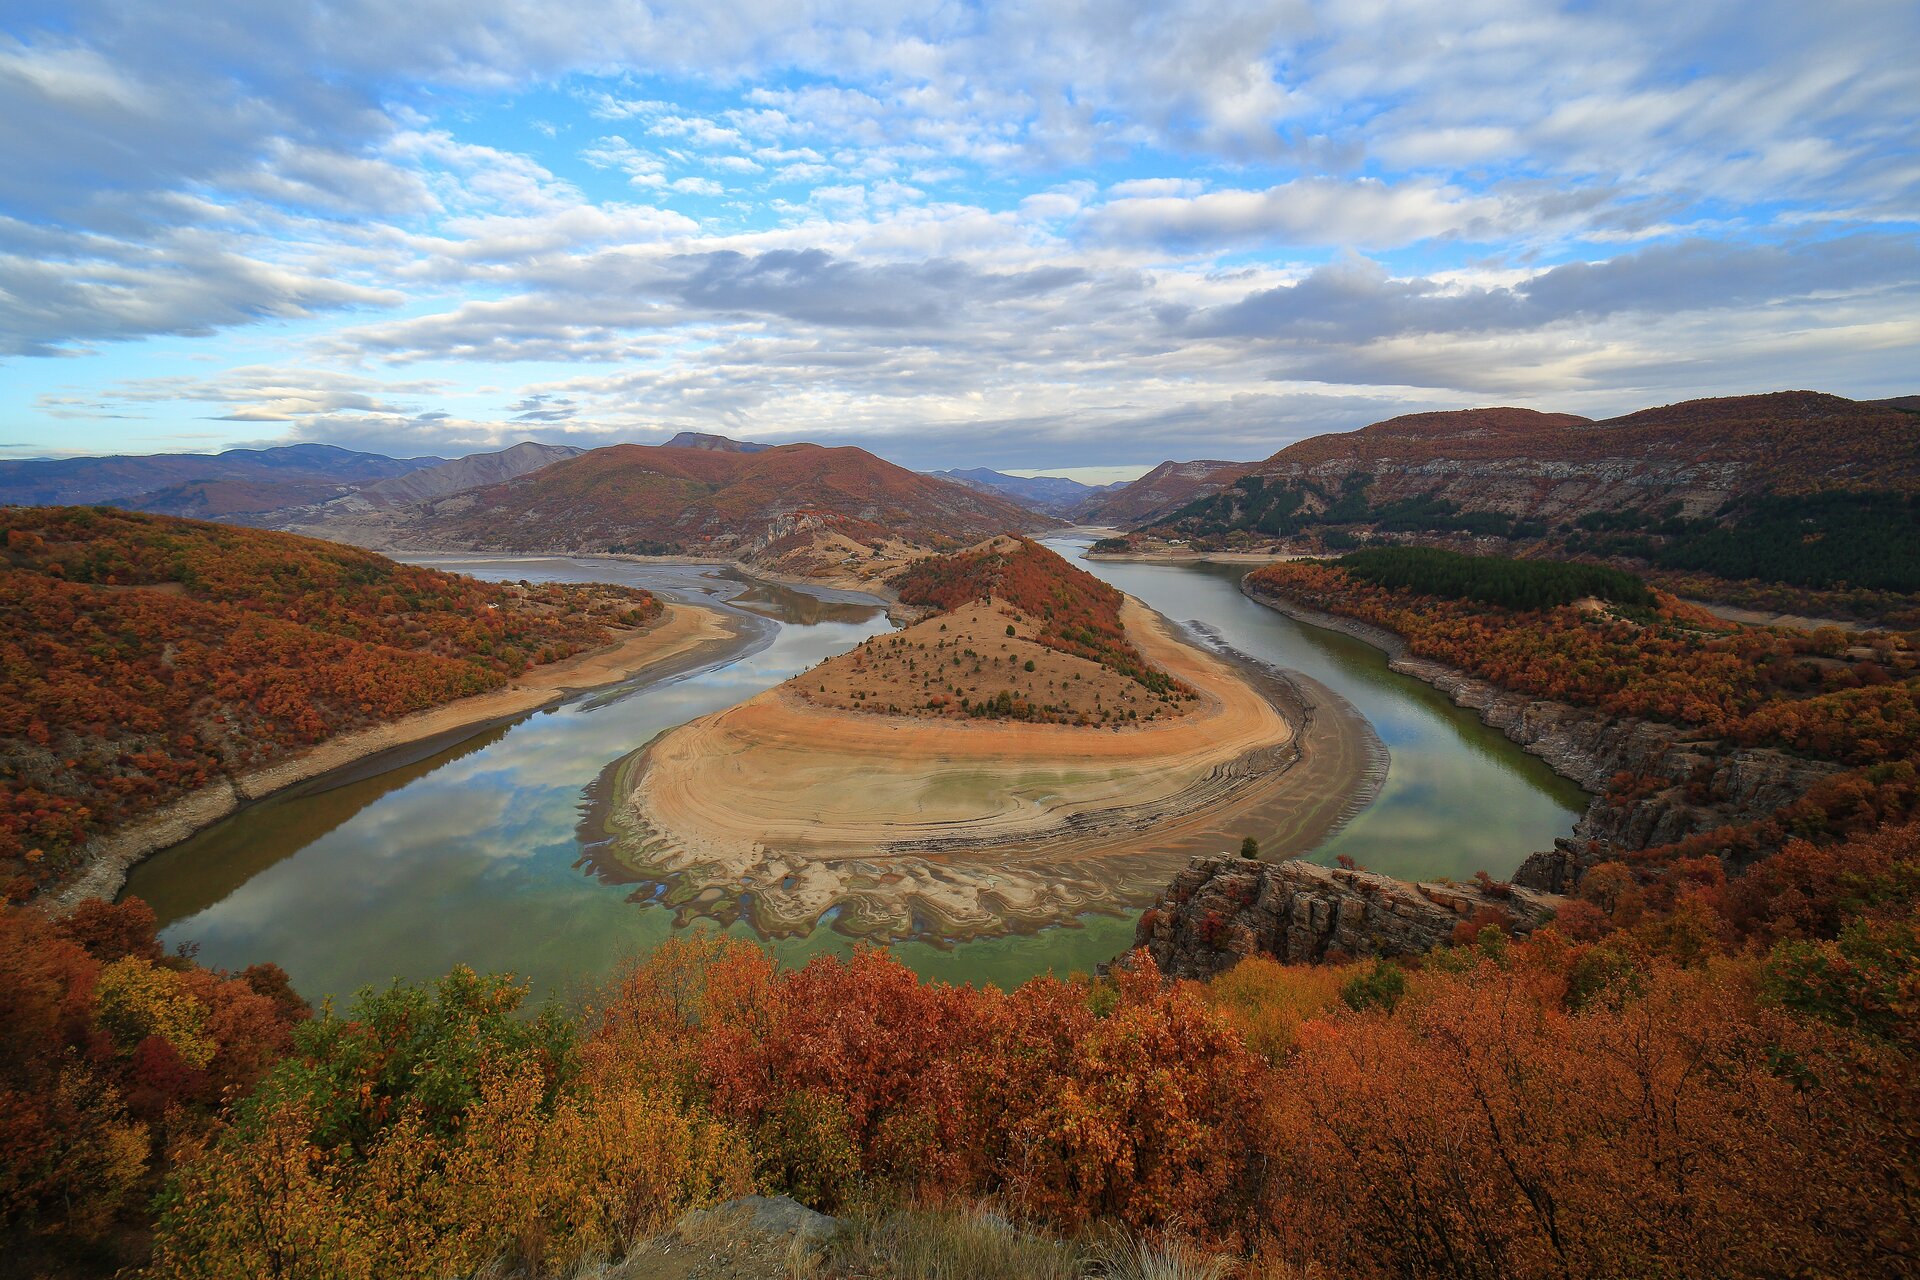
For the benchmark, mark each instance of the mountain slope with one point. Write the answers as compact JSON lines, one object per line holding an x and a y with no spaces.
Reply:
{"x":657,"y":498}
{"x":1161,"y":491}
{"x":1516,"y":465}
{"x":127,"y":479}
{"x":148,"y":657}
{"x":1055,"y":495}
{"x":469,"y":472}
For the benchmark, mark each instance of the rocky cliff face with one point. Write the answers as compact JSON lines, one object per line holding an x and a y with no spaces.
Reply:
{"x":1222,"y":909}
{"x":1688,"y":782}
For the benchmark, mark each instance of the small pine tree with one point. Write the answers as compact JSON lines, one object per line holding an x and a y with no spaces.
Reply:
{"x":1249,"y":848}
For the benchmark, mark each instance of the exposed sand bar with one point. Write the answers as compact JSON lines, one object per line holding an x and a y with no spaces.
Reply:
{"x":897,"y":826}
{"x":686,"y":636}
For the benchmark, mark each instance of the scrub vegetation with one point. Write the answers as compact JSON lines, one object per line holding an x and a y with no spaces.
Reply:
{"x":1735,"y":1060}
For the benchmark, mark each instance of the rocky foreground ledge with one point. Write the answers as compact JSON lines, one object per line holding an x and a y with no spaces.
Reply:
{"x":1222,"y":909}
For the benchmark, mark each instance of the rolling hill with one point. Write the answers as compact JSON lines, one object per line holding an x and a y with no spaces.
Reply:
{"x":1157,"y":494}
{"x":149,"y":657}
{"x":795,"y":503}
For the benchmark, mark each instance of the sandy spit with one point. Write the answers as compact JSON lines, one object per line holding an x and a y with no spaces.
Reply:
{"x":893,"y":826}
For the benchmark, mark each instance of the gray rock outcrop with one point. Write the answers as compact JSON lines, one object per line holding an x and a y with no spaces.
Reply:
{"x":1222,"y":909}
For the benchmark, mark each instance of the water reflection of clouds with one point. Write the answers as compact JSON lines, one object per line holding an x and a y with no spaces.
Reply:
{"x":1458,"y":796}
{"x":474,"y":861}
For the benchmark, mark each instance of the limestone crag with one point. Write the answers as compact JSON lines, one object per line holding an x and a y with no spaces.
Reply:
{"x":1222,"y":909}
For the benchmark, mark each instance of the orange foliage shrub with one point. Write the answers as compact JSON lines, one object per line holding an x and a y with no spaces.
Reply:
{"x":1074,"y":1102}
{"x":1267,"y":1002}
{"x":1488,"y":1129}
{"x":108,"y":1052}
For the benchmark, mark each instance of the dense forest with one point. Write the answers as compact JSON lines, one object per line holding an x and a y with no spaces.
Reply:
{"x":1497,"y":580}
{"x":1826,"y":541}
{"x":1078,"y":613}
{"x":144,"y":656}
{"x":1734,"y":1060}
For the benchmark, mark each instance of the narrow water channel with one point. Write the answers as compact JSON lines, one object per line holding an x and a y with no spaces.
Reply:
{"x":468,"y":853}
{"x":1458,"y":798}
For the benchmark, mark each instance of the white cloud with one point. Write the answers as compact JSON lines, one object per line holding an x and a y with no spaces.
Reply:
{"x":1359,"y":213}
{"x":1145,"y":218}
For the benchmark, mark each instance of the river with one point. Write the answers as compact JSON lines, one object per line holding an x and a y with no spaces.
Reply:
{"x":469,"y":854}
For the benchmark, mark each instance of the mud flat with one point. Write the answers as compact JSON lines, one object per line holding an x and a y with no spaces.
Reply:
{"x":790,"y":814}
{"x":685,"y":636}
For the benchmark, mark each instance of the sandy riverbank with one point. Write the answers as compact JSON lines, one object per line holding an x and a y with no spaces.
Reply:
{"x":794,"y":814}
{"x":686,"y":636}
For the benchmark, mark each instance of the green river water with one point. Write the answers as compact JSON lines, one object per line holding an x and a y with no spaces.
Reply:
{"x":468,"y":854}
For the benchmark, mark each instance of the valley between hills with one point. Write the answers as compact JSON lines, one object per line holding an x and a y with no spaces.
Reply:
{"x":1197,"y":640}
{"x":1423,"y":725}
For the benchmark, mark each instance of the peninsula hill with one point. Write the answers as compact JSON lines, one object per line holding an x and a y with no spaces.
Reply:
{"x":930,"y":785}
{"x":1020,"y":634}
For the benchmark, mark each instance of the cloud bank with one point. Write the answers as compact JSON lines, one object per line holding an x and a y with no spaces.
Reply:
{"x":1041,"y":234}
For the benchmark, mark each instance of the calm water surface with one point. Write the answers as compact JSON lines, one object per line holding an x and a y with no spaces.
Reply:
{"x":1458,"y":798}
{"x":466,"y":854}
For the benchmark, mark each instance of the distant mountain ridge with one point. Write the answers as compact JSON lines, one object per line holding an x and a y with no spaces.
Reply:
{"x":717,"y":444}
{"x":1055,"y":495}
{"x":1794,"y":489}
{"x":128,"y":479}
{"x":1695,"y":456}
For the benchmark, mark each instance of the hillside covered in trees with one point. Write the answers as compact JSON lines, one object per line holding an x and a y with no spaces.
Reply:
{"x":1717,"y":1076}
{"x":1512,"y":584}
{"x":678,"y":499}
{"x":1076,"y":613}
{"x":144,"y":656}
{"x":1852,"y":700}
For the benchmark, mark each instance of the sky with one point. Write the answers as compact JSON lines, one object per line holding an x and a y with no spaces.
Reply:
{"x":1042,"y":236}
